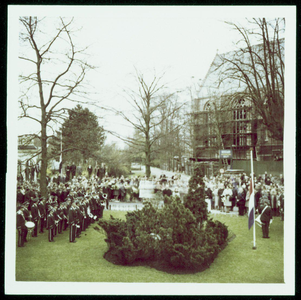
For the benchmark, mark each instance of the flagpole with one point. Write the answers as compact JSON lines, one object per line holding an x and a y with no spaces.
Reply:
{"x":253,"y":202}
{"x":61,"y":157}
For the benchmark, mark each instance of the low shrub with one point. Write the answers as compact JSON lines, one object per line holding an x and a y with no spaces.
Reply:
{"x":179,"y":235}
{"x":170,"y":236}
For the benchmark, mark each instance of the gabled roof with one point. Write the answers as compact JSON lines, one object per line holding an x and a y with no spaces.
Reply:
{"x":27,"y":147}
{"x":211,"y":85}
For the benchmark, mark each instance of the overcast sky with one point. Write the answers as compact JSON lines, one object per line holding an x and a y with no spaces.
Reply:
{"x":180,"y":41}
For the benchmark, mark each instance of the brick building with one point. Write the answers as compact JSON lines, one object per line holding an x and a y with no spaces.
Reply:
{"x":226,"y":125}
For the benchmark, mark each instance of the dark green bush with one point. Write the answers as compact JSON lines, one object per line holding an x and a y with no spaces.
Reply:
{"x":178,"y":235}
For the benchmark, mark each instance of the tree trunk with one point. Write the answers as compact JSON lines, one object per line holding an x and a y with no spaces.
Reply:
{"x":147,"y":164}
{"x":43,"y":182}
{"x":147,"y":158}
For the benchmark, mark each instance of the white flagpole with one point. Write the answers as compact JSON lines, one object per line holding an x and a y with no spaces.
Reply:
{"x":61,"y":157}
{"x":253,"y":202}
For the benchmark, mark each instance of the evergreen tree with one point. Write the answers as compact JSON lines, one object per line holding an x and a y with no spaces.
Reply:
{"x":195,"y":199}
{"x":82,"y":135}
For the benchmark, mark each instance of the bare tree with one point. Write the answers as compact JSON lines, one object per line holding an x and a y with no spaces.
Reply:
{"x":170,"y":147}
{"x":55,"y":72}
{"x":257,"y":69}
{"x":145,"y":117}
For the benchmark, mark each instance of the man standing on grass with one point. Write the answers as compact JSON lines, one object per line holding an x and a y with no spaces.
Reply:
{"x":266,"y":217}
{"x":35,"y":216}
{"x":50,"y":225}
{"x":72,"y":223}
{"x":21,"y":227}
{"x":42,"y":212}
{"x":27,"y":217}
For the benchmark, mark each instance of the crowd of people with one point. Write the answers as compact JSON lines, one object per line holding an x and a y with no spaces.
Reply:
{"x":227,"y":192}
{"x":77,"y":201}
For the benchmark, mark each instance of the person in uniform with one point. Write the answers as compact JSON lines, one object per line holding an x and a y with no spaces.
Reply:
{"x":21,"y":226}
{"x":50,"y":225}
{"x":266,"y":217}
{"x":73,"y":170}
{"x":85,"y":212}
{"x":106,"y":192}
{"x":72,"y":223}
{"x":27,"y":217}
{"x":101,"y":207}
{"x":241,"y":202}
{"x":20,"y":195}
{"x":57,"y":218}
{"x":102,"y":171}
{"x":35,"y":216}
{"x":42,"y":212}
{"x":65,"y":216}
{"x":79,"y":219}
{"x":60,"y":213}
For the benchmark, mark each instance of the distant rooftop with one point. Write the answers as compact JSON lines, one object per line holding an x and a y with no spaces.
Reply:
{"x":27,"y":147}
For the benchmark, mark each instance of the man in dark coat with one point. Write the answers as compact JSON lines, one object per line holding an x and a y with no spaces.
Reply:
{"x":68,"y":170}
{"x":35,"y":216}
{"x":241,"y":204}
{"x":65,"y":215}
{"x":72,"y":223}
{"x":266,"y":217}
{"x":57,"y":218}
{"x":27,"y":217}
{"x":64,"y":194}
{"x":60,"y":213}
{"x":42,"y":210}
{"x":21,"y":227}
{"x":27,"y":172}
{"x":20,"y":196}
{"x":257,"y":198}
{"x":29,"y":193}
{"x":73,"y":170}
{"x":32,"y":172}
{"x":50,"y":225}
{"x":102,"y":171}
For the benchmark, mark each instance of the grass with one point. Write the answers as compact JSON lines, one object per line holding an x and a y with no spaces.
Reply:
{"x":83,"y":261}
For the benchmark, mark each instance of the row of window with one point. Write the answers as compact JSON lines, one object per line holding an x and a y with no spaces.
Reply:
{"x":234,"y":140}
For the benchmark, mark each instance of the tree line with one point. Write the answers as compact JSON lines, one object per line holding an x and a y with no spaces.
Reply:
{"x":54,"y":74}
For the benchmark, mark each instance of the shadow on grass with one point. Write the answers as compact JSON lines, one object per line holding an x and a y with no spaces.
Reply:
{"x":163,"y":266}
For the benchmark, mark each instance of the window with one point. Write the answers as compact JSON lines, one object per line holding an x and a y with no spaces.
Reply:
{"x":241,"y":127}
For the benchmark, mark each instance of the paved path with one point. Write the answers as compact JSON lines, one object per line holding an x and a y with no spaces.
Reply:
{"x":137,"y":206}
{"x":134,"y":205}
{"x":157,"y":172}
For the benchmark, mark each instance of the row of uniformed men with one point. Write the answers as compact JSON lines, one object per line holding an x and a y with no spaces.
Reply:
{"x":76,"y":212}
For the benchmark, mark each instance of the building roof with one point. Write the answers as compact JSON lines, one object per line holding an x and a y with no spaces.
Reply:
{"x":212,"y":85}
{"x":27,"y":147}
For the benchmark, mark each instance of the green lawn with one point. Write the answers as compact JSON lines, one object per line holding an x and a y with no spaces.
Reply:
{"x":83,"y":261}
